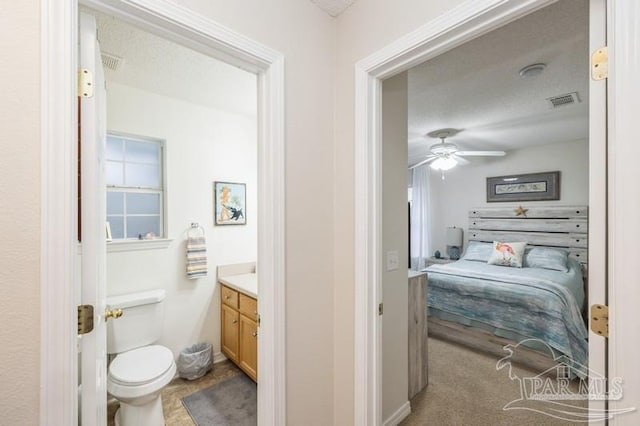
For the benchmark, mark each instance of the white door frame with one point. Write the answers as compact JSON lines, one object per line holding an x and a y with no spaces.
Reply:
{"x":58,"y":390}
{"x":463,"y":23}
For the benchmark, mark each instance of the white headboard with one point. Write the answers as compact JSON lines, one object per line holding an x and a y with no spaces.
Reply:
{"x":550,"y":226}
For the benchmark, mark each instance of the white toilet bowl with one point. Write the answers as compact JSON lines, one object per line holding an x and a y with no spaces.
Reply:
{"x":136,"y":379}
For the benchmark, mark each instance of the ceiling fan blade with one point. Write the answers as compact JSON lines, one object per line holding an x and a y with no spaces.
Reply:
{"x":425,"y":161}
{"x":482,"y":153}
{"x":459,"y":159}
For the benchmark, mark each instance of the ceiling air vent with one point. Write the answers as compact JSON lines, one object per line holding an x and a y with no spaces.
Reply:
{"x":563,"y":100}
{"x":111,"y":62}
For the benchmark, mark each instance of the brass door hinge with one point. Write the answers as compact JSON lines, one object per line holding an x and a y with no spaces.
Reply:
{"x":85,"y":83}
{"x":380,"y":308}
{"x":85,"y":319}
{"x":600,"y":64}
{"x":600,"y":320}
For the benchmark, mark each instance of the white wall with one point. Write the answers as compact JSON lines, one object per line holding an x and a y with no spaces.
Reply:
{"x":202,"y":145}
{"x":464,"y":187}
{"x":365,"y":27}
{"x":395,"y":331}
{"x":20,"y":212}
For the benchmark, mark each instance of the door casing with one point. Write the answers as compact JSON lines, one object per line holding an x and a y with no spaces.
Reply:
{"x":461,"y":24}
{"x":59,"y":19}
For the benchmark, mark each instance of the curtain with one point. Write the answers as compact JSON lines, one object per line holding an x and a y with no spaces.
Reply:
{"x":420,"y":218}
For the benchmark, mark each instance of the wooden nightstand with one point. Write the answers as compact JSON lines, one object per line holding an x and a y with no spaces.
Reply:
{"x":433,"y":261}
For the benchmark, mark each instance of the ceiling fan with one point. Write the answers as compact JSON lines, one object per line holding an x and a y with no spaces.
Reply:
{"x":446,"y":155}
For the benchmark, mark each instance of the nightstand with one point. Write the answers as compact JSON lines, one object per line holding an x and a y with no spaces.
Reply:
{"x":433,"y":261}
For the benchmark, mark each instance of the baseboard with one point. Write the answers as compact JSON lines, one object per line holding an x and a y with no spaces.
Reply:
{"x":399,"y":415}
{"x":218,"y":357}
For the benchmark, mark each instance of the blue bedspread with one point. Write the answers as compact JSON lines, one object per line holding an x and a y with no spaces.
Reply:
{"x":529,"y":302}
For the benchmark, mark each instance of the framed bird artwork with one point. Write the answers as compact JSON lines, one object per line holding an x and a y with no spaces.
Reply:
{"x":230,"y":201}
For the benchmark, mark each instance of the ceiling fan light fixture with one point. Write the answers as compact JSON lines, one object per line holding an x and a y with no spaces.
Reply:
{"x":444,"y":163}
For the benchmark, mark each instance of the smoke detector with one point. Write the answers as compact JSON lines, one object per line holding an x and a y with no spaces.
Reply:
{"x":532,"y":71}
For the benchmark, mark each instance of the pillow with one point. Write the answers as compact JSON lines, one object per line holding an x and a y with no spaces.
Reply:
{"x":507,"y":254}
{"x":478,"y":251}
{"x":546,"y":258}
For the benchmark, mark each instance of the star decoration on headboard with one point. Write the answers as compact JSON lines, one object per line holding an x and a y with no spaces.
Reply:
{"x":521,"y":211}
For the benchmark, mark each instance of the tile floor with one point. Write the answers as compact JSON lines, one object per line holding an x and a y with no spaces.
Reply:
{"x":174,"y":412}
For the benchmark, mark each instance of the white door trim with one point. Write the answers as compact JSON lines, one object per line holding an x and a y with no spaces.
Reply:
{"x":58,"y":396}
{"x":597,"y":191}
{"x":463,"y":23}
{"x":58,"y":353}
{"x":623,"y":40}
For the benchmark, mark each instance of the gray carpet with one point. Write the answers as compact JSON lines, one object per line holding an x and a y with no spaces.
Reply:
{"x":465,"y":389}
{"x":232,"y":402}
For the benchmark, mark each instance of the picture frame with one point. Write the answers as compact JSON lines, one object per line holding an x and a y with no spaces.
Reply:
{"x":230,"y":200}
{"x":541,"y":186}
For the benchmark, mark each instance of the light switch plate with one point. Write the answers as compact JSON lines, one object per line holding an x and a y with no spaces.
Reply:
{"x":392,"y":260}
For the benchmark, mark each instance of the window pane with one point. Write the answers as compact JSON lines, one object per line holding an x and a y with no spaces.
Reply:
{"x":114,"y":173}
{"x":142,"y":152}
{"x":143,"y":175}
{"x":141,"y":225}
{"x":115,"y":203}
{"x":116,"y":223}
{"x":114,"y":148}
{"x":143,"y":203}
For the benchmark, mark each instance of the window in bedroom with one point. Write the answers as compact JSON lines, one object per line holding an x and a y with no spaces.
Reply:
{"x":135,"y":191}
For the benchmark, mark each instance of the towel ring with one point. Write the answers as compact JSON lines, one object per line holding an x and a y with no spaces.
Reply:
{"x":195,"y":226}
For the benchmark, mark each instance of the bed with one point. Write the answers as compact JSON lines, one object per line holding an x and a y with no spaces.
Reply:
{"x":488,"y":306}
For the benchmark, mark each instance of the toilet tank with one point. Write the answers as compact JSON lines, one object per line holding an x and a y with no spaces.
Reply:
{"x":141,"y":321}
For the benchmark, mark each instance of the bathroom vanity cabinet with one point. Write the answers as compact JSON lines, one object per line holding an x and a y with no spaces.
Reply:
{"x":240,"y":328}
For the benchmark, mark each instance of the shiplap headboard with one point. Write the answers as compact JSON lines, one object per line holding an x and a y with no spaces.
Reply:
{"x":550,"y":226}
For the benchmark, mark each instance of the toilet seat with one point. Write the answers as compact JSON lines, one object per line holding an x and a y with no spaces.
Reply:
{"x":140,"y":366}
{"x":140,"y":372}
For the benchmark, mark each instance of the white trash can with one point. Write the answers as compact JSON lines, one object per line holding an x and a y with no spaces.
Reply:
{"x":195,"y":361}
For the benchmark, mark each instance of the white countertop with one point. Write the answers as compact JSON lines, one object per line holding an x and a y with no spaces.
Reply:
{"x":244,"y":283}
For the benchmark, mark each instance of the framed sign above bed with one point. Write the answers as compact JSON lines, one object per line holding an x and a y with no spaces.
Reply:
{"x":527,"y":187}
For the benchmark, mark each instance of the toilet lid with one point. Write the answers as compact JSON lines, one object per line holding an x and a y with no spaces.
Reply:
{"x":140,"y":366}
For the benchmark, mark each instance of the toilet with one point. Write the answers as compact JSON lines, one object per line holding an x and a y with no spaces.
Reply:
{"x":140,"y":369}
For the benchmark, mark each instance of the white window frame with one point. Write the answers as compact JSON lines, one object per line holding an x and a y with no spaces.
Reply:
{"x":162,"y":241}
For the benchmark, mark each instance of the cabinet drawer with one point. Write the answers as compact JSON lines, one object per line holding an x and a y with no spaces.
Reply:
{"x":248,"y":306}
{"x":229,"y":297}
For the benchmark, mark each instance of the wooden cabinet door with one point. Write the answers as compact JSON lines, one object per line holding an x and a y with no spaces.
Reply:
{"x":249,"y":347}
{"x":230,"y":336}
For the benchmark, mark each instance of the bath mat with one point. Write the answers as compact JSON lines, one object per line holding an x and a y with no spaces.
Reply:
{"x":233,"y":402}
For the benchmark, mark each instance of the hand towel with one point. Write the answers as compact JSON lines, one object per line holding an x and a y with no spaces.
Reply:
{"x":196,"y":257}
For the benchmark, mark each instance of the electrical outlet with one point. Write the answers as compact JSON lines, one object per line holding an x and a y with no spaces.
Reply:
{"x":392,"y":260}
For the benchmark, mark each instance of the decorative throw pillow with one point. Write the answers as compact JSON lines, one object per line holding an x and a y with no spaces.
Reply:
{"x":478,"y":251}
{"x":507,"y":254}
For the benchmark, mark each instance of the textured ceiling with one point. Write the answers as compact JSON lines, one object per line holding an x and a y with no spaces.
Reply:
{"x":157,"y":65}
{"x":333,"y":7}
{"x":476,"y":87}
